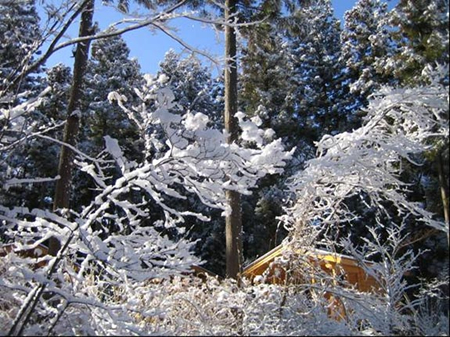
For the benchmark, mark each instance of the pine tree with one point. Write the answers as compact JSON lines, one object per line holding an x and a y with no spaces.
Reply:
{"x":20,"y":36}
{"x":110,"y":69}
{"x":20,"y":32}
{"x":366,"y":48}
{"x":267,"y":68}
{"x":318,"y":76}
{"x":422,"y":34}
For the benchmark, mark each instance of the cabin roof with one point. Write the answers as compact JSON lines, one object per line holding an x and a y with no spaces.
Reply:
{"x":319,"y":253}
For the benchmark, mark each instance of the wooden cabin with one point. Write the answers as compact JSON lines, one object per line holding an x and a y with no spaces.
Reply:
{"x":335,"y":264}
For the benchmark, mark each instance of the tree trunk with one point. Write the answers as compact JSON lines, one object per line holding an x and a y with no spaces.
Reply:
{"x":233,"y":221}
{"x":443,"y":188}
{"x":65,"y":168}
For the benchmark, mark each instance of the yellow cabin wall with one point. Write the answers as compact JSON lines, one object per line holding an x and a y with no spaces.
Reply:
{"x":331,"y":263}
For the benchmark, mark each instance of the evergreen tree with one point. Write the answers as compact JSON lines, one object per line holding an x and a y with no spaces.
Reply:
{"x":265,"y":81}
{"x":20,"y":37}
{"x":37,"y":157}
{"x":422,"y":34}
{"x":267,"y":68}
{"x":20,"y":32}
{"x":318,"y":76}
{"x":110,"y":69}
{"x":366,"y":48}
{"x":421,"y":31}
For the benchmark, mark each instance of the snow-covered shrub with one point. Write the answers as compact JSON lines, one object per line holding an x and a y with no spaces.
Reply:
{"x":400,"y":124}
{"x":198,"y":157}
{"x":222,"y":308}
{"x":113,"y":242}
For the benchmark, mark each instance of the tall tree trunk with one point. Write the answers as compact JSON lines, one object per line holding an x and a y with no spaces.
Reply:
{"x":443,"y":188}
{"x":233,"y":221}
{"x":65,"y":168}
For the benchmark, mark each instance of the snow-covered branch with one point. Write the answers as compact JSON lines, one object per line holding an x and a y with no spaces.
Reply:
{"x":400,"y":125}
{"x":197,"y":157}
{"x":114,"y":236}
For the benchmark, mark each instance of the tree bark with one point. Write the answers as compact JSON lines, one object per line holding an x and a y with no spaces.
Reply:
{"x":65,"y":168}
{"x":233,"y":221}
{"x":443,"y":188}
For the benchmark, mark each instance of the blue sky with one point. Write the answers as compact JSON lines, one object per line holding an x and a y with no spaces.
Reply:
{"x":149,"y":47}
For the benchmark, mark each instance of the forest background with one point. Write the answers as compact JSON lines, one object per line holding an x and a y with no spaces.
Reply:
{"x":146,"y":196}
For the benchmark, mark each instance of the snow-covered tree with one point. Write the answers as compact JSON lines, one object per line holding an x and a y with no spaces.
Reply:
{"x":367,"y":162}
{"x":318,"y":72}
{"x":110,"y":69}
{"x":188,"y":137}
{"x":397,"y":307}
{"x":372,"y":47}
{"x":20,"y":31}
{"x":198,"y":159}
{"x":266,"y":71}
{"x":36,"y":157}
{"x":367,"y":46}
{"x":192,"y":85}
{"x":421,"y":30}
{"x":290,"y":67}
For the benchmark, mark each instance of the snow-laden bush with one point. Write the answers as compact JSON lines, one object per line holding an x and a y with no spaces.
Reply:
{"x":400,"y":124}
{"x":111,"y":241}
{"x":187,"y":305}
{"x":190,"y":306}
{"x":322,"y":304}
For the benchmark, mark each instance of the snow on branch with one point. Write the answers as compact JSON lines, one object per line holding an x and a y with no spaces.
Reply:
{"x":400,"y":125}
{"x":115,"y":239}
{"x":194,"y":156}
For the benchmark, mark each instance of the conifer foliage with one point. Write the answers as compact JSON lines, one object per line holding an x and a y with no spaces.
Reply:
{"x":19,"y":28}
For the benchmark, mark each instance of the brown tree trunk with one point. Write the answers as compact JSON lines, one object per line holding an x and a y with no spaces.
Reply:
{"x":65,"y":168}
{"x":233,"y":221}
{"x":444,"y":188}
